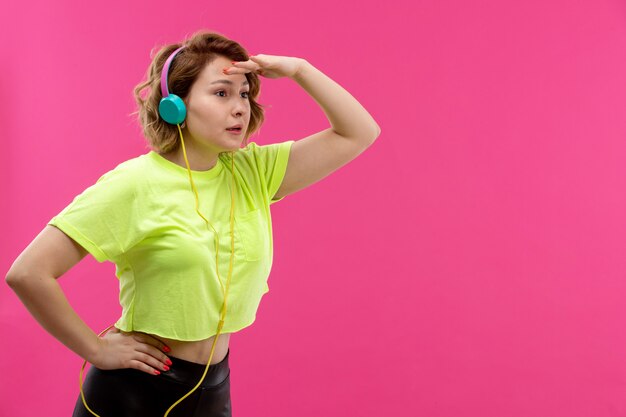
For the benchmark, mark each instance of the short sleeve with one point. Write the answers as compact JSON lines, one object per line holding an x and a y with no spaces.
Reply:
{"x":272,"y":161}
{"x":102,"y":219}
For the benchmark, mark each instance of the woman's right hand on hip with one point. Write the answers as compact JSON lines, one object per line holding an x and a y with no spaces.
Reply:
{"x":135,"y":350}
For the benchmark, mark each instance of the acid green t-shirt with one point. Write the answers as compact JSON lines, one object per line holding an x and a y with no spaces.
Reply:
{"x":141,"y":216}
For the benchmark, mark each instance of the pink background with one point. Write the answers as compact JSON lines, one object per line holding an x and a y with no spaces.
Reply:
{"x":470,"y":263}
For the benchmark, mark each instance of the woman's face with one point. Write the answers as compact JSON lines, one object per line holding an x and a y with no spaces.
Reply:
{"x":215,"y":102}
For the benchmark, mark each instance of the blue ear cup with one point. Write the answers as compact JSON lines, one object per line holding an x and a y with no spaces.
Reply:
{"x":172,"y":109}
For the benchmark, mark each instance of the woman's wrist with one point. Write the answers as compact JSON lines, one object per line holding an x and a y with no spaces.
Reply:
{"x":303,"y":66}
{"x":94,"y":350}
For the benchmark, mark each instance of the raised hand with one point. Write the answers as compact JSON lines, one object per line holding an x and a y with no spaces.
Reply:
{"x":269,"y":66}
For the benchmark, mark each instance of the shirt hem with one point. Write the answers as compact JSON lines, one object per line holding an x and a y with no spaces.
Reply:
{"x":81,"y":239}
{"x":158,"y":333}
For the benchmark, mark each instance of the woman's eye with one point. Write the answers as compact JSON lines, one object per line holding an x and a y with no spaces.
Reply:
{"x":245,"y":92}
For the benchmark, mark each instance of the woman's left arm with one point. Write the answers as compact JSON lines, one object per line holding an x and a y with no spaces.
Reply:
{"x":352,"y":131}
{"x":346,"y":115}
{"x":352,"y":128}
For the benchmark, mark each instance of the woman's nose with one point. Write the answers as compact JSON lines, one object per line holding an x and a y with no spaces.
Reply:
{"x":239,"y":109}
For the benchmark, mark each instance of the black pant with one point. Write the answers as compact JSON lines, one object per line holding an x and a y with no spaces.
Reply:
{"x":134,"y":393}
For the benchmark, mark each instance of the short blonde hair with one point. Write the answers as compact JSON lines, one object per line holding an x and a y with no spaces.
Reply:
{"x":200,"y":50}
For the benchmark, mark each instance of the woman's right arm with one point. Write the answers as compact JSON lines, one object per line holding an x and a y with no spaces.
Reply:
{"x":33,"y":277}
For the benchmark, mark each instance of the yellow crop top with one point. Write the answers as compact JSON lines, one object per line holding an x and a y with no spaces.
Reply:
{"x":141,"y":216}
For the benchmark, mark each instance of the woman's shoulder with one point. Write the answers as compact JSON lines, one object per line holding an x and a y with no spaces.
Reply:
{"x":257,"y":151}
{"x":137,"y":162}
{"x":134,"y":166}
{"x":127,"y":175}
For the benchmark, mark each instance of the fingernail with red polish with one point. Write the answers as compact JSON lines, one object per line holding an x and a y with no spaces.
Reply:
{"x":166,"y":349}
{"x":168,"y":362}
{"x":157,"y":372}
{"x":167,"y":368}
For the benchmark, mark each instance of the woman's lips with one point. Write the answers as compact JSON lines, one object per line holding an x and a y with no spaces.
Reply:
{"x":234,"y":131}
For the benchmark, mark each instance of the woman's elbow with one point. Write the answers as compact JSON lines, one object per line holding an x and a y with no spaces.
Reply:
{"x":18,"y":279}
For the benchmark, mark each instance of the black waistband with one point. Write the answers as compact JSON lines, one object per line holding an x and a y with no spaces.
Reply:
{"x":190,"y":373}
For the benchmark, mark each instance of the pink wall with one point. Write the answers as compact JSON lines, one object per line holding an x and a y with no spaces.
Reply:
{"x":470,"y":263}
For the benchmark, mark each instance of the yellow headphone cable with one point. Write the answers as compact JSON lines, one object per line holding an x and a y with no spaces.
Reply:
{"x":224,"y":289}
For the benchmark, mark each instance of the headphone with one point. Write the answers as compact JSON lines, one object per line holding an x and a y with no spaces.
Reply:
{"x":172,"y":110}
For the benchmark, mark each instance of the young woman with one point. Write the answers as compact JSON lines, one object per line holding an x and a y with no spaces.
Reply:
{"x":188,"y":226}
